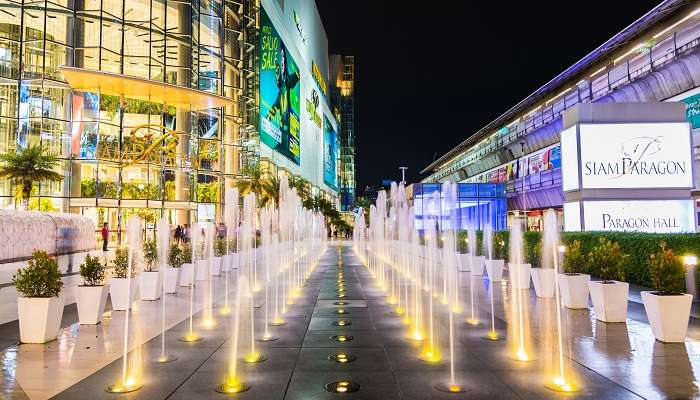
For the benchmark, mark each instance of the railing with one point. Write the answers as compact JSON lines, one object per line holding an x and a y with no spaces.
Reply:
{"x":540,"y":180}
{"x":605,"y":84}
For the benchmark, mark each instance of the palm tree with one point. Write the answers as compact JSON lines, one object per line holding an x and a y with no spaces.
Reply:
{"x":253,"y":182}
{"x":27,"y":166}
{"x":270,"y":192}
{"x":302,"y":186}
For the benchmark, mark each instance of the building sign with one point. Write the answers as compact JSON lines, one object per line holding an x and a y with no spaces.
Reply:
{"x":660,"y":216}
{"x":279,"y":93}
{"x":312,"y":108}
{"x":620,"y":156}
{"x":330,"y":154}
{"x":318,"y":77}
{"x":692,"y":110}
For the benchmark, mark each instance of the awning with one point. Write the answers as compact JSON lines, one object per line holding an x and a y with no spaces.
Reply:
{"x":141,"y":89}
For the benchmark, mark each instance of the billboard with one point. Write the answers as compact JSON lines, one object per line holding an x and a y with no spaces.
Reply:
{"x":279,"y":93}
{"x":330,"y":154}
{"x":635,"y":155}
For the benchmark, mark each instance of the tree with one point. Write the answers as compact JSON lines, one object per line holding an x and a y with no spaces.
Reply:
{"x":253,"y":182}
{"x":270,"y":193}
{"x":302,"y":186}
{"x":27,"y":166}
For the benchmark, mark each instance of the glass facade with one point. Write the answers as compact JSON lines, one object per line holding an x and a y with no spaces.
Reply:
{"x":477,"y":203}
{"x":102,"y":138}
{"x":343,"y":70}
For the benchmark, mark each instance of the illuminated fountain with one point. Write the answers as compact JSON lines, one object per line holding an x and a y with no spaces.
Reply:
{"x":431,"y":347}
{"x":231,"y":222}
{"x":476,"y":272}
{"x":163,"y":237}
{"x":208,"y":312}
{"x":451,"y":272}
{"x":132,"y":362}
{"x":494,"y":268}
{"x":248,"y":271}
{"x":560,"y":373}
{"x":233,"y":381}
{"x":196,"y":239}
{"x":267,"y":216}
{"x":518,"y":326}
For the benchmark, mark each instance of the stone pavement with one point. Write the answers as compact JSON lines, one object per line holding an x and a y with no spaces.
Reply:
{"x":620,"y":361}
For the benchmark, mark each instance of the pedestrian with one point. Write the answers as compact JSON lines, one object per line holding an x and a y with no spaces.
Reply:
{"x":105,"y":236}
{"x":186,"y":234}
{"x":178,"y":234}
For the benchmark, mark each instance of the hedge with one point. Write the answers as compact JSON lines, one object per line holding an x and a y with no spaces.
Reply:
{"x":638,"y":245}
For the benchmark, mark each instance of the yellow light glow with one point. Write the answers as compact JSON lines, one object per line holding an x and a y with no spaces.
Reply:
{"x":431,"y":356}
{"x":454,"y":388}
{"x":493,"y":335}
{"x":473,"y":321}
{"x":522,"y":355}
{"x":225,"y":311}
{"x":191,"y":337}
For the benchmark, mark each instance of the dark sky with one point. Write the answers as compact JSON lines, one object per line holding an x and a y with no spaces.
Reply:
{"x":431,"y":73}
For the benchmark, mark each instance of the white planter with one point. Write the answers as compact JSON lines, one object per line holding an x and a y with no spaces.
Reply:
{"x":494,"y":269}
{"x":91,"y":302}
{"x":668,"y":315}
{"x":171,"y":279}
{"x":574,"y":290}
{"x":202,"y":270}
{"x":234,"y":260}
{"x":609,"y":300}
{"x":187,"y":275}
{"x":150,"y":285}
{"x":122,"y":295}
{"x":39,"y":318}
{"x":477,"y":265}
{"x":216,"y":266}
{"x":543,"y":279}
{"x":519,"y":275}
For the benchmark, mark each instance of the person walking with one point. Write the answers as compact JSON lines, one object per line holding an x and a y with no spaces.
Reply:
{"x":178,"y":234}
{"x":105,"y":236}
{"x":186,"y":234}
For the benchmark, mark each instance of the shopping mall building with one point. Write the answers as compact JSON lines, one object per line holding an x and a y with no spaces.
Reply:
{"x":608,"y":143}
{"x":158,"y":106}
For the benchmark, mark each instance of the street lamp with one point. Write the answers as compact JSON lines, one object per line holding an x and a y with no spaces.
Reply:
{"x":690,"y":262}
{"x":403,"y":174}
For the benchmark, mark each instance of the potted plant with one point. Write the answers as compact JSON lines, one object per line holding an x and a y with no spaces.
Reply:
{"x":149,"y":280}
{"x":40,"y":306}
{"x":219,"y":253}
{"x":573,"y":283}
{"x":92,"y":294}
{"x":122,"y":290}
{"x":543,"y":278}
{"x":187,"y":273}
{"x":171,"y":279}
{"x":609,"y":295}
{"x":667,"y":308}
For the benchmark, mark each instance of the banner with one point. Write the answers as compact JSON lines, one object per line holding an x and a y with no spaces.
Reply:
{"x":279,"y":93}
{"x":330,"y":154}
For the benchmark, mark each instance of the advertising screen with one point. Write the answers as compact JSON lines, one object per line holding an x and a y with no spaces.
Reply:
{"x":330,"y":154}
{"x":639,"y":155}
{"x":279,"y":93}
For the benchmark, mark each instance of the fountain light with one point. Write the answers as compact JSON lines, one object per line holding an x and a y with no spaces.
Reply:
{"x":129,"y":385}
{"x":560,"y":384}
{"x":342,"y":322}
{"x":342,"y":387}
{"x":340,"y":303}
{"x":278,"y":322}
{"x":449,"y":388}
{"x":254,"y":358}
{"x":342,"y":357}
{"x":342,"y":338}
{"x":191,"y":337}
{"x":431,"y":356}
{"x":232,"y":386}
{"x":341,"y":311}
{"x":493,"y":336}
{"x":225,"y":310}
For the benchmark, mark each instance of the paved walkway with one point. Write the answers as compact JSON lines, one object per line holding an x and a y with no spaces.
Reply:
{"x":620,"y":361}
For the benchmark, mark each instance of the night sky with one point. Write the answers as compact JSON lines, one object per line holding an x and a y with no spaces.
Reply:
{"x":431,"y":74}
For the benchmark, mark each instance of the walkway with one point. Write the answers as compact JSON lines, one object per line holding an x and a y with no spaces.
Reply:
{"x":617,"y":361}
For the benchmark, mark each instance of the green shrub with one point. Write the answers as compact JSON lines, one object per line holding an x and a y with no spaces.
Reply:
{"x":220,"y":247}
{"x":574,"y":259}
{"x":150,"y":255}
{"x":92,"y":271}
{"x":609,"y":260}
{"x":121,"y":263}
{"x":533,"y":248}
{"x":187,"y":254}
{"x":667,"y":272}
{"x":175,"y":256}
{"x":41,"y":278}
{"x":500,"y":245}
